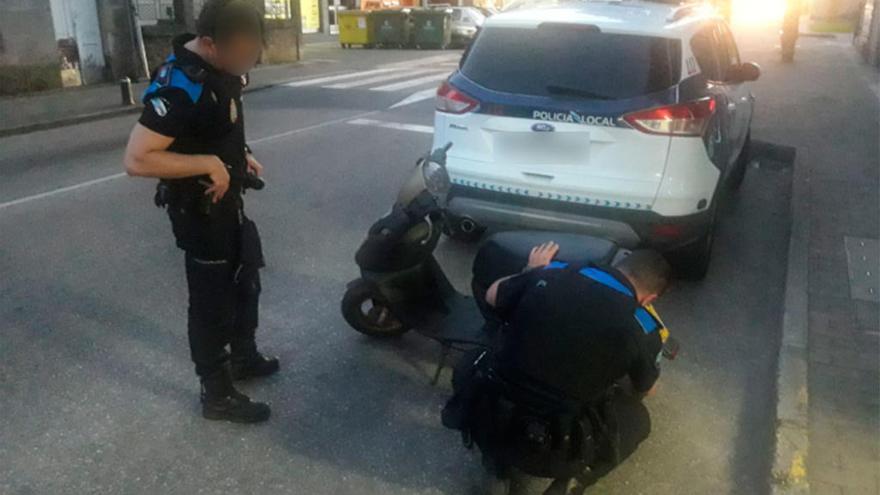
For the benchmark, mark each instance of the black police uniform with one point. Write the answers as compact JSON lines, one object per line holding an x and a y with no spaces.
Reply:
{"x":570,"y":333}
{"x":578,"y":330}
{"x":200,"y":107}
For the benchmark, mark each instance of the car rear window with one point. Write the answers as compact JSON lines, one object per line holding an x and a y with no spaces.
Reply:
{"x":571,"y":60}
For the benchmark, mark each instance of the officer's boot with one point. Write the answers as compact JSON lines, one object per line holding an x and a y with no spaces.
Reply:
{"x":220,"y":401}
{"x":247,"y":362}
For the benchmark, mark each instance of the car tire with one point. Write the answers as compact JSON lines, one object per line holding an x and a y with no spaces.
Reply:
{"x":741,"y":166}
{"x":691,"y":262}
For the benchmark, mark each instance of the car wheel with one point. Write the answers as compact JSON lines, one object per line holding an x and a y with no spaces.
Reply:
{"x":742,"y":164}
{"x":369,"y":313}
{"x":691,"y":262}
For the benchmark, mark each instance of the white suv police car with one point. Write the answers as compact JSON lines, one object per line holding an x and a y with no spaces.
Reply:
{"x":623,"y":119}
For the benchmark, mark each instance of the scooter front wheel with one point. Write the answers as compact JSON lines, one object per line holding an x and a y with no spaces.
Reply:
{"x":369,"y":313}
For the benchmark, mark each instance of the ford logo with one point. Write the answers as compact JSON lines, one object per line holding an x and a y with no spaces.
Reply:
{"x":543,"y":127}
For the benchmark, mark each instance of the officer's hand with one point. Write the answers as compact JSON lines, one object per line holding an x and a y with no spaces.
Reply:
{"x":542,"y":255}
{"x":254,"y":166}
{"x":219,"y":180}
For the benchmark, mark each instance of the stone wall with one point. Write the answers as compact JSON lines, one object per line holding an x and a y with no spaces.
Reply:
{"x":29,"y":58}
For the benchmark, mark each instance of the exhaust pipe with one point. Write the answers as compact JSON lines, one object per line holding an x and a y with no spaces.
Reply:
{"x":467,"y":225}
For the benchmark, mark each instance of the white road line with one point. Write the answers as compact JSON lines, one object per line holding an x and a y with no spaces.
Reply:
{"x":322,"y":80}
{"x":425,"y":129}
{"x":412,"y":83}
{"x":376,"y":79}
{"x":60,"y":190}
{"x":453,"y":57}
{"x":81,"y":185}
{"x":425,"y":94}
{"x":311,"y":127}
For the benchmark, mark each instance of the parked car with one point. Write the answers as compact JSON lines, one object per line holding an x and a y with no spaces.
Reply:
{"x":620,"y":119}
{"x":466,"y":21}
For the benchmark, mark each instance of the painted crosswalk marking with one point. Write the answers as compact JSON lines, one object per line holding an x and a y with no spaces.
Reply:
{"x":412,"y":83}
{"x":379,"y":78}
{"x":397,"y":78}
{"x":425,"y":94}
{"x":338,"y":77}
{"x":424,"y":129}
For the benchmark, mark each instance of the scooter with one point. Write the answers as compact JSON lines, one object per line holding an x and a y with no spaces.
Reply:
{"x":403,"y":288}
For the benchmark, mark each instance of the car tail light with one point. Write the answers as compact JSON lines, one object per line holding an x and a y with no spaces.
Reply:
{"x":451,"y":100}
{"x":683,"y":119}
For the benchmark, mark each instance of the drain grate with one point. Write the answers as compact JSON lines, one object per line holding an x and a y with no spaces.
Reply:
{"x":863,"y":259}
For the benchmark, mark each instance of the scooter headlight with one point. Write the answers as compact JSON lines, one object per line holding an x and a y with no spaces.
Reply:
{"x":436,"y":179}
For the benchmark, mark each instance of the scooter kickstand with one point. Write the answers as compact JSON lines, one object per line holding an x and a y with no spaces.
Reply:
{"x":441,"y":363}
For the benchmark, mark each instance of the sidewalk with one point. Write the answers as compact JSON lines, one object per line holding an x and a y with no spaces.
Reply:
{"x":56,"y":108}
{"x":826,"y":105}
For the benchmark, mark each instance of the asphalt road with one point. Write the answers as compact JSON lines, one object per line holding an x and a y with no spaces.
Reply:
{"x":97,"y":393}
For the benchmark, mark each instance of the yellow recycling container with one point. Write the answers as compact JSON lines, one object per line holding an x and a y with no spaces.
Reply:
{"x":355,"y":28}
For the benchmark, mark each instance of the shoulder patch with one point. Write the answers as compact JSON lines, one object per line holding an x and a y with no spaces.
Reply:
{"x":160,"y":105}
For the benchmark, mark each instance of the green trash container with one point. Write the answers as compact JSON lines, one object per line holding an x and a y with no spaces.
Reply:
{"x":432,"y":28}
{"x":391,"y":28}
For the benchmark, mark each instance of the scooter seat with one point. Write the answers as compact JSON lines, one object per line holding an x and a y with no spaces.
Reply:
{"x":506,"y":253}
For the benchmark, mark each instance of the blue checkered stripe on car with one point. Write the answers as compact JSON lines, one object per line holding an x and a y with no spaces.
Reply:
{"x":569,"y":198}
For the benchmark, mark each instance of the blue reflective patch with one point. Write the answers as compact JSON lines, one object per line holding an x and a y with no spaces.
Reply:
{"x":556,"y":265}
{"x":648,"y":323}
{"x":178,"y":80}
{"x":606,"y":279}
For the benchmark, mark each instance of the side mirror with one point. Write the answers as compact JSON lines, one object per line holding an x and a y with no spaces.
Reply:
{"x":745,"y":72}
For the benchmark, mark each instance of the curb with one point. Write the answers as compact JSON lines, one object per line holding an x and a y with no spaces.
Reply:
{"x":789,"y":471}
{"x":77,"y":119}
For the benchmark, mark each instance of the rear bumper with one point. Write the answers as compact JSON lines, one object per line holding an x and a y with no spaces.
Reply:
{"x":628,"y":228}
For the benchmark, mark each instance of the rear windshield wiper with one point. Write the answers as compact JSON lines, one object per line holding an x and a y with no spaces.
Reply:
{"x":570,"y":91}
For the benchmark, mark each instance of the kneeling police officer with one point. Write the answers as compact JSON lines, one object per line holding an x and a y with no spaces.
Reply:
{"x":560,"y":399}
{"x":191,"y":137}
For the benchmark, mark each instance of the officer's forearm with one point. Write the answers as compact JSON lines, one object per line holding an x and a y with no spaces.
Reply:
{"x":163,"y":164}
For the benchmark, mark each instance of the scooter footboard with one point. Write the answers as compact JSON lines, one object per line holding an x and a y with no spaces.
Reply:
{"x":506,"y":253}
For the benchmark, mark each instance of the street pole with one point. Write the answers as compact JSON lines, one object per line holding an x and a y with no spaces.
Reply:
{"x":134,"y":18}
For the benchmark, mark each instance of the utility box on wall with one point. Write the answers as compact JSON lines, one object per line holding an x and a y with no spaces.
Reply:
{"x":283,"y":31}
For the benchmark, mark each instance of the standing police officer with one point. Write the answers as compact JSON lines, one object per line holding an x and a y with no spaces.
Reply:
{"x":191,"y":137}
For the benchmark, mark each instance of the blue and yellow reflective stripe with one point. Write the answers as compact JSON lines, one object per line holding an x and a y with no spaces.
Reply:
{"x":647,"y":322}
{"x":606,"y":279}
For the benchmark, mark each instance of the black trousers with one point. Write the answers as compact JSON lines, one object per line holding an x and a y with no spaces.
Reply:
{"x":223,"y":311}
{"x":630,"y":425}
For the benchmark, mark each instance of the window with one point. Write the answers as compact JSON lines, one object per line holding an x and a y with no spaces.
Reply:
{"x":705,"y":47}
{"x":277,"y":9}
{"x":725,"y":38}
{"x":572,"y":60}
